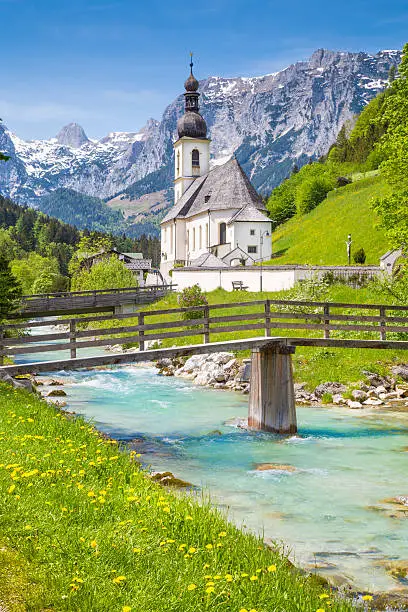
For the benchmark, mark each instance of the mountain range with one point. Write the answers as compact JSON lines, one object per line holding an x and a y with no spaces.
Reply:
{"x":269,"y":122}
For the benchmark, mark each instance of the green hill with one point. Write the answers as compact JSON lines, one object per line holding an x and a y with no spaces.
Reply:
{"x":319,"y":236}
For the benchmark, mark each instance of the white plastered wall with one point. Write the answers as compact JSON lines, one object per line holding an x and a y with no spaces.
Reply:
{"x":273,"y":279}
{"x":242,"y":236}
{"x":184,"y":172}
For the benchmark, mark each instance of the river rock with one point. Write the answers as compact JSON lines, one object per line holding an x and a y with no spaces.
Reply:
{"x":57,"y":393}
{"x":402,"y":390}
{"x":338,"y":399}
{"x":354,"y":405}
{"x":401,"y":371}
{"x":169,"y":480}
{"x":380,"y":390}
{"x":329,"y":387}
{"x":359,"y":395}
{"x":371,"y":401}
{"x":377,"y":380}
{"x":277,"y":467}
{"x":397,"y":569}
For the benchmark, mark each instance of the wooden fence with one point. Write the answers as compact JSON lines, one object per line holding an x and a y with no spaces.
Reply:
{"x":330,"y":320}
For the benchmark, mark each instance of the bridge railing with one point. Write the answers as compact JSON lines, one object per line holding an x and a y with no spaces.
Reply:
{"x":208,"y":323}
{"x":68,"y":294}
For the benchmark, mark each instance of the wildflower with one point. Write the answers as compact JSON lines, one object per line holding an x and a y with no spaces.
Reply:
{"x":192,"y":550}
{"x":27,"y":527}
{"x":367,"y":597}
{"x":137,"y":550}
{"x":166,"y":509}
{"x":191,"y":587}
{"x":320,"y":610}
{"x":206,"y":565}
{"x":94,"y":544}
{"x":11,"y":488}
{"x":209,"y":546}
{"x":253,"y":578}
{"x":222,"y":534}
{"x":228,"y":578}
{"x":126,"y":609}
{"x":272,"y":568}
{"x":182,"y":546}
{"x":209,"y":590}
{"x":119,"y":579}
{"x":189,"y":518}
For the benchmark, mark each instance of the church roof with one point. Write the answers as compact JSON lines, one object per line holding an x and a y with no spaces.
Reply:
{"x":208,"y":260}
{"x":225,"y":187}
{"x":248,"y":213}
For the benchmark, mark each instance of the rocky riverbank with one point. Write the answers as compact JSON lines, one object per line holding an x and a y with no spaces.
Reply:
{"x":225,"y":371}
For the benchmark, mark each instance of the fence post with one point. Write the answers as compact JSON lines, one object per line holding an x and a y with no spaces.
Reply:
{"x":267,"y":318}
{"x":326,"y":321}
{"x":206,"y":324}
{"x":141,"y":332}
{"x":2,"y":345}
{"x":72,"y":339}
{"x":383,"y":322}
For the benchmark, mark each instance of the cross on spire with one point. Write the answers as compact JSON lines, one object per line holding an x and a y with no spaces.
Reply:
{"x":191,"y":62}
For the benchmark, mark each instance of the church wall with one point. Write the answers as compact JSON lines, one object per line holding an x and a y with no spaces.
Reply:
{"x":217,"y":217}
{"x":273,"y":279}
{"x":242,"y":235}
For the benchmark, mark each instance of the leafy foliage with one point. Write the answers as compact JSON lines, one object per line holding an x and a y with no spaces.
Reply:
{"x":311,"y":193}
{"x":192,"y":296}
{"x":359,"y":256}
{"x":10,"y":290}
{"x":109,"y":273}
{"x":34,"y":267}
{"x":394,"y":149}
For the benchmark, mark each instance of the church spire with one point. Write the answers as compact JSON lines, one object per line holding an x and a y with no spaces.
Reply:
{"x":191,"y":123}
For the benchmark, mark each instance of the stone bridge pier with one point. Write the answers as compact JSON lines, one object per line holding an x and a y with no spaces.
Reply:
{"x":272,"y":394}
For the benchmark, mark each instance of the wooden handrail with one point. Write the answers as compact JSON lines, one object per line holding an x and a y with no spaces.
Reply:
{"x":206,"y":325}
{"x":67,"y":294}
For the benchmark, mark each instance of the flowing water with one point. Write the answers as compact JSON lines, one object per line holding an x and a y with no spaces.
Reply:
{"x":325,"y":511}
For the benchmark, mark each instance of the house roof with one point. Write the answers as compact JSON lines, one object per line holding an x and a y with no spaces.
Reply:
{"x":248,"y":213}
{"x":225,"y":187}
{"x":134,"y":255}
{"x":208,"y":260}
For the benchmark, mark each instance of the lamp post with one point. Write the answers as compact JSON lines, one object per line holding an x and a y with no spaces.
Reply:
{"x":263,"y":234}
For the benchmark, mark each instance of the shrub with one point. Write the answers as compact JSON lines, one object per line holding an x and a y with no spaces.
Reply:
{"x":327,"y":398}
{"x":192,"y":296}
{"x":311,"y":193}
{"x":360,"y":256}
{"x":109,"y":273}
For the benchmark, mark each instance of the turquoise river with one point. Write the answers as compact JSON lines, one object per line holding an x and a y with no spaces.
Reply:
{"x":325,"y":513}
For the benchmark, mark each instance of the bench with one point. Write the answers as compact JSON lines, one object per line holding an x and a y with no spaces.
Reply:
{"x":238,"y":286}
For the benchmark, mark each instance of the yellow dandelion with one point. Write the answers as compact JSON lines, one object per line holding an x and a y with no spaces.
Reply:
{"x":192,"y":550}
{"x":320,"y":610}
{"x":11,"y":488}
{"x":272,"y":568}
{"x":222,"y":534}
{"x":206,"y":565}
{"x":94,"y":544}
{"x":166,"y":509}
{"x":253,"y":578}
{"x":119,"y":579}
{"x":209,"y":590}
{"x":191,"y":587}
{"x":189,"y":518}
{"x":209,"y":546}
{"x":126,"y":609}
{"x":228,"y":578}
{"x":367,"y":597}
{"x":182,"y":546}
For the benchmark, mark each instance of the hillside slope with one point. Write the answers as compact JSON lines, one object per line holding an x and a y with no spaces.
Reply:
{"x":319,"y":237}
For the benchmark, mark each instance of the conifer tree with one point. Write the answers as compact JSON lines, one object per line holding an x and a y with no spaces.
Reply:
{"x":10,"y":290}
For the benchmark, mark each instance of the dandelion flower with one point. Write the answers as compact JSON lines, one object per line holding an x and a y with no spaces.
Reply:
{"x":94,"y":544}
{"x":272,"y":568}
{"x":119,"y":579}
{"x":191,"y":587}
{"x":253,"y":578}
{"x":192,"y":550}
{"x":228,"y":578}
{"x":367,"y":597}
{"x":209,"y":546}
{"x":209,"y":590}
{"x":126,"y":609}
{"x":222,"y":534}
{"x":11,"y":488}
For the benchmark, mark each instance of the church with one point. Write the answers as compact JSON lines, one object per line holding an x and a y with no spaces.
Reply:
{"x":218,"y":218}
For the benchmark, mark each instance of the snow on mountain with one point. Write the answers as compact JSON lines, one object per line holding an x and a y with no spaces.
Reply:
{"x":269,"y":122}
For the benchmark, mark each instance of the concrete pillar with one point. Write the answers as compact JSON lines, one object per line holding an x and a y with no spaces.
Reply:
{"x":272,"y":394}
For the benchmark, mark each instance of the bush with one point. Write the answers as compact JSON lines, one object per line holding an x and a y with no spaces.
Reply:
{"x":311,"y":193}
{"x":110,"y":273}
{"x":192,"y":296}
{"x":359,"y":256}
{"x":327,"y":398}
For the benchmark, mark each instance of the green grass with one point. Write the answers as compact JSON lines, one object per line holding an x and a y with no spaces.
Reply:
{"x":319,"y":237}
{"x":83,"y":529}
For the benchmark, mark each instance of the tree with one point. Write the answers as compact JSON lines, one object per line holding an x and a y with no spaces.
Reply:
{"x":107,"y":274}
{"x":359,"y":256}
{"x":10,"y":290}
{"x":29,"y":269}
{"x":89,"y":244}
{"x":311,"y":193}
{"x":393,"y":210}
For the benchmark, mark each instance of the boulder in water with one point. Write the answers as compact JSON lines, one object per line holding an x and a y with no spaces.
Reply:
{"x":57,"y":393}
{"x":169,"y":480}
{"x":276,"y":467}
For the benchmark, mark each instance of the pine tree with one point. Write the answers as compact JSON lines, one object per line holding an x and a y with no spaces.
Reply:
{"x":10,"y":290}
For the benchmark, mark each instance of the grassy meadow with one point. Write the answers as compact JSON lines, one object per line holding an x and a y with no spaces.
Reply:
{"x":319,"y":237}
{"x":82,"y":528}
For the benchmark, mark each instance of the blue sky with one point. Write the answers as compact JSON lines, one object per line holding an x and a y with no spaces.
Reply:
{"x":112,"y":64}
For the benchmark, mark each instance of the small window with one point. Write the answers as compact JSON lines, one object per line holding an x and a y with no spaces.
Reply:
{"x":252,"y":232}
{"x":207,"y":198}
{"x":195,"y":158}
{"x":223,"y":233}
{"x":252,"y":249}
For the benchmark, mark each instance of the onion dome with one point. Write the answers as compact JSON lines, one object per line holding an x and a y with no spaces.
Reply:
{"x":192,"y":124}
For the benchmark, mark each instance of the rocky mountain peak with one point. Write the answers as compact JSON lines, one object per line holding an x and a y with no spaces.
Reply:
{"x":72,"y":135}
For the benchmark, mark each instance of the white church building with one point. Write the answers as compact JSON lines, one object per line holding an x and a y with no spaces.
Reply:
{"x":218,"y":219}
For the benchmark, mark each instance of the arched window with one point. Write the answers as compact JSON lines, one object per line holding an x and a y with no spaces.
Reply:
{"x":200,"y":233}
{"x":195,"y":158}
{"x":223,"y":233}
{"x":194,"y":242}
{"x":178,"y":163}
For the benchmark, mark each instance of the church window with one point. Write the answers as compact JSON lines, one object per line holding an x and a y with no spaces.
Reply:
{"x":207,"y":198}
{"x":223,"y":233}
{"x":200,"y":233}
{"x":195,"y":158}
{"x":206,"y":235}
{"x":252,"y":232}
{"x":188,"y":240}
{"x":178,"y":163}
{"x":252,"y":249}
{"x":171,"y":239}
{"x":194,"y":242}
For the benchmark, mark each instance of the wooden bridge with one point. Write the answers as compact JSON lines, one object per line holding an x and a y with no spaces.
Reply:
{"x":78,"y":302}
{"x":271,"y":399}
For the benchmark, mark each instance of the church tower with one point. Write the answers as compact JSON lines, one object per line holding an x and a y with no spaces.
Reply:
{"x":192,"y":148}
